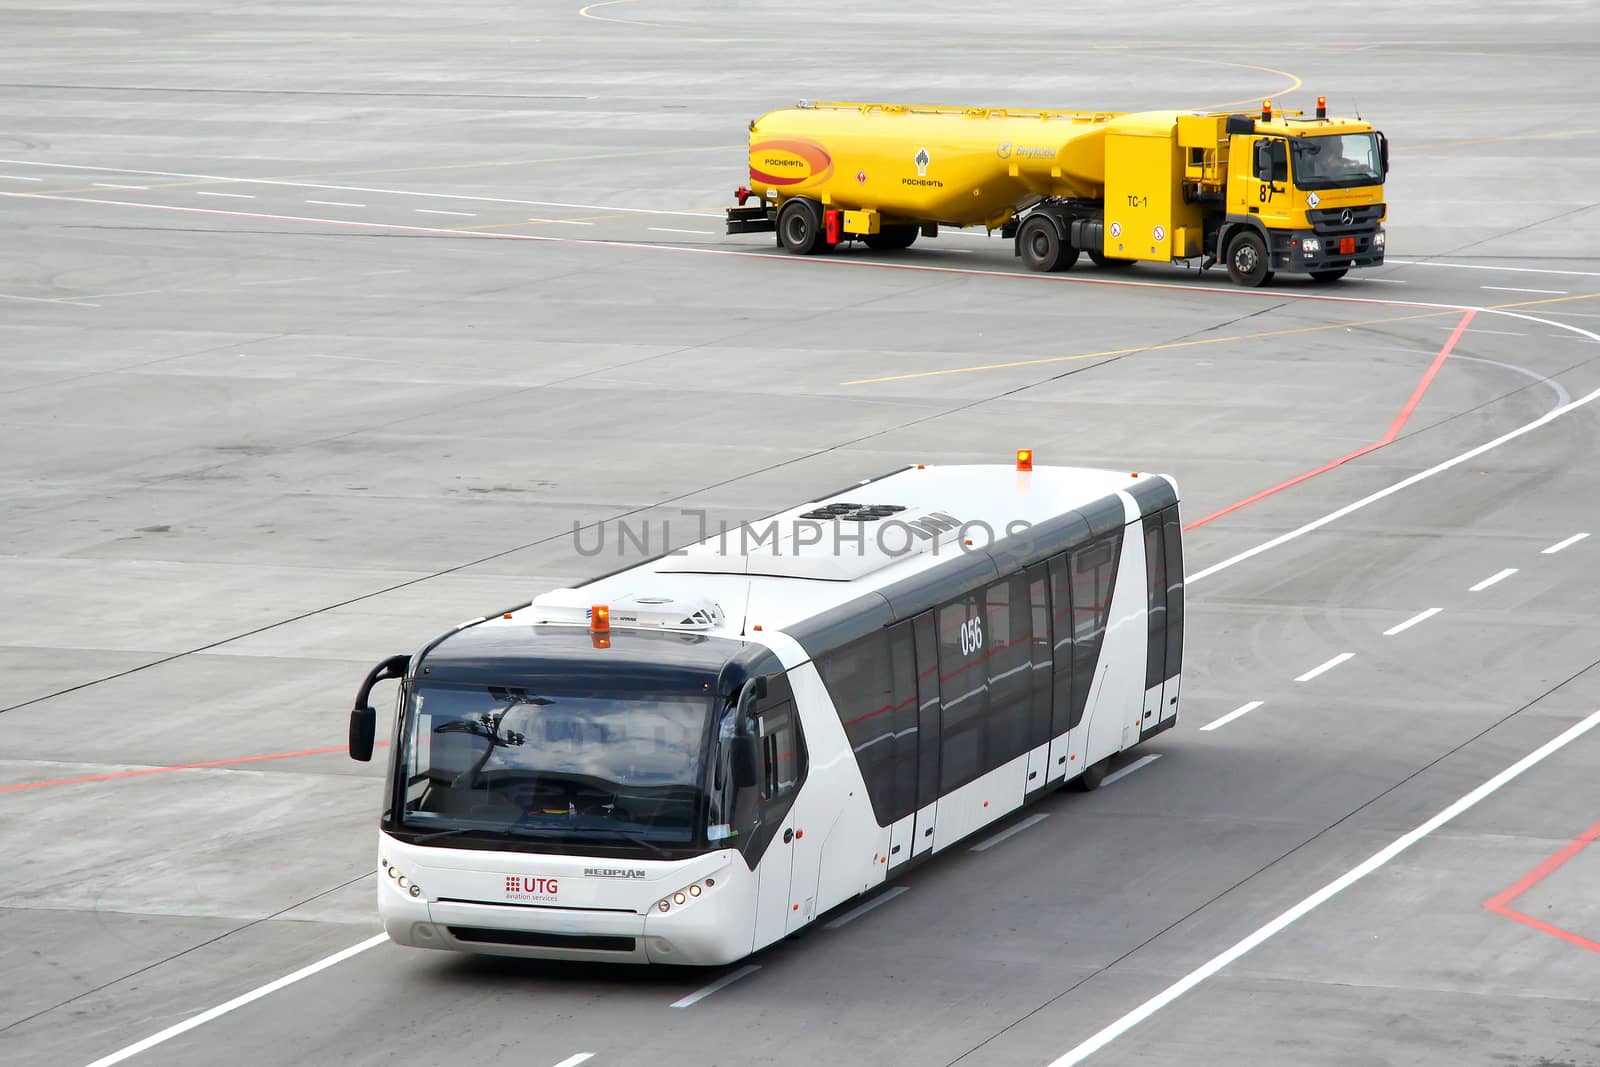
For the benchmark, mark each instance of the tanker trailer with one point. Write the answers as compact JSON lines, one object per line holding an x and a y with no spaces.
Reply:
{"x":1260,"y":194}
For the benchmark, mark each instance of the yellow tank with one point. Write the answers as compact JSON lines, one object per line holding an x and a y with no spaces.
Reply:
{"x":956,"y":166}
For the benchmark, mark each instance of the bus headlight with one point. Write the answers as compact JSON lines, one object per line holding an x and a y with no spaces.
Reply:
{"x":685,"y":895}
{"x":405,"y":884}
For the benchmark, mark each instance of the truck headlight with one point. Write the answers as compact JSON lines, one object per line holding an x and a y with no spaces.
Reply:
{"x":1311,"y":246}
{"x":1377,"y":239}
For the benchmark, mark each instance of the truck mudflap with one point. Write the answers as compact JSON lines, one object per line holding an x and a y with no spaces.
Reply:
{"x":753,"y":219}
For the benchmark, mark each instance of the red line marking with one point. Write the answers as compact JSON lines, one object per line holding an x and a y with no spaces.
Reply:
{"x":1500,"y":903}
{"x":1387,"y":439}
{"x":177,"y":767}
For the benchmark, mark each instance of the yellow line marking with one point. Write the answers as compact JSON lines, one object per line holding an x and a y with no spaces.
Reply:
{"x":1146,"y":348}
{"x":1548,"y":300}
{"x":585,"y":12}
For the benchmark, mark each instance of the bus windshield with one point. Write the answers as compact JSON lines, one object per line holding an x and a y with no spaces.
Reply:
{"x":573,"y":768}
{"x":1337,"y":161}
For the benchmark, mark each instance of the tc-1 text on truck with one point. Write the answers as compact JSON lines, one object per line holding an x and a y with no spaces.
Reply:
{"x":1277,"y":191}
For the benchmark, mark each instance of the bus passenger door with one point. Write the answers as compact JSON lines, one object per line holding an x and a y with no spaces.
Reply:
{"x":781,"y":770}
{"x":927,"y":659}
{"x":1174,"y":546}
{"x":1155,"y":572}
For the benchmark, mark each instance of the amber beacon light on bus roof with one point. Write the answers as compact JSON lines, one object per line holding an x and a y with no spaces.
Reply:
{"x":1256,"y":192}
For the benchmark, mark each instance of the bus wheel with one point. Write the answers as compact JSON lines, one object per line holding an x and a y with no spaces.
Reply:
{"x":800,"y":227}
{"x":892,"y":238}
{"x":1092,"y":776}
{"x":1247,"y":260}
{"x":1042,"y":248}
{"x":1105,"y":262}
{"x":1326,"y":276}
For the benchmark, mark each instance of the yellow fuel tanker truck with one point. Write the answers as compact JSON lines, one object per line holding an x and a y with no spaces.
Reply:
{"x":1278,"y":191}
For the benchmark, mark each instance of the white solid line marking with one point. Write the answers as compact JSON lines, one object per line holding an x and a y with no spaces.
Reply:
{"x":1387,"y":281}
{"x":1568,"y":543}
{"x":19,"y":178}
{"x":1011,"y":831}
{"x":238,"y":1002}
{"x":1483,"y":266}
{"x":669,"y":229}
{"x":1324,"y":668}
{"x":1421,"y":616}
{"x":700,"y":994}
{"x":1510,"y":289}
{"x":335,"y":203}
{"x":1177,"y":989}
{"x":855,"y":913}
{"x":434,"y":211}
{"x":49,"y":300}
{"x":230,"y":196}
{"x":562,"y":222}
{"x":1406,"y":483}
{"x":1497,"y":333}
{"x":1143,"y":761}
{"x":1493,"y":579}
{"x":112,"y":185}
{"x":575,"y":1059}
{"x":1243,"y":709}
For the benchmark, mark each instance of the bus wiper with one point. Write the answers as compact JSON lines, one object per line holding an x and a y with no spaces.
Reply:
{"x":619,"y":831}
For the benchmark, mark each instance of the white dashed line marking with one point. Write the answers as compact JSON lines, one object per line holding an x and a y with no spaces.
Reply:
{"x":562,"y":222}
{"x":1011,"y":831}
{"x":1243,"y":709}
{"x":1387,"y":281}
{"x":1493,"y":579}
{"x":229,"y":196}
{"x":1568,"y":543}
{"x":19,"y":178}
{"x":855,"y":913}
{"x":1511,"y":289}
{"x":335,"y":203}
{"x":721,"y":983}
{"x":436,"y":211}
{"x":1324,"y":668}
{"x":1421,"y":616}
{"x":1497,"y":333}
{"x":575,"y":1059}
{"x":113,"y":185}
{"x":668,"y":229}
{"x":1144,"y":761}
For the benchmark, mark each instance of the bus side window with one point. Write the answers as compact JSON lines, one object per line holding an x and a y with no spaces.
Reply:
{"x":1008,"y":669}
{"x":1061,"y":647}
{"x":859,"y":681}
{"x":1174,"y":539}
{"x":922,"y":628}
{"x":782,"y":750}
{"x":963,"y":691}
{"x":1155,"y":567}
{"x":1094,"y":575}
{"x":1040,"y":655}
{"x":903,"y":672}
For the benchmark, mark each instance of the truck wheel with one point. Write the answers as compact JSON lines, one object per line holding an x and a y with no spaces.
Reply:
{"x":800,"y":227}
{"x":1326,"y":276}
{"x":892,"y":238}
{"x":1105,"y":262}
{"x":1247,"y":260}
{"x":1042,"y":248}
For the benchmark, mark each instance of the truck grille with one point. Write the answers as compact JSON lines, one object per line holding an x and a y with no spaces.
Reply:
{"x":530,"y":939}
{"x":1331,"y":220}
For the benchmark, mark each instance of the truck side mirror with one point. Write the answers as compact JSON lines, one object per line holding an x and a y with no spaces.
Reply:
{"x":363,"y":730}
{"x":1383,"y":153}
{"x":746,"y":752}
{"x":1264,"y":160}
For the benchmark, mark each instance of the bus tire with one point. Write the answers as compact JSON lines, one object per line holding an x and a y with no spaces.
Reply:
{"x":892,"y":238}
{"x":800,"y":227}
{"x":1326,"y":276}
{"x":1247,"y":260}
{"x":1042,"y":247}
{"x":1092,"y":776}
{"x":1105,"y":262}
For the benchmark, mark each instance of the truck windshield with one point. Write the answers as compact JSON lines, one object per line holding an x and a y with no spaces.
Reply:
{"x":576,"y":769}
{"x":1337,"y":161}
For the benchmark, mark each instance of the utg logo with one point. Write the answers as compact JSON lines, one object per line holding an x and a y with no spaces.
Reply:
{"x":524,"y":886}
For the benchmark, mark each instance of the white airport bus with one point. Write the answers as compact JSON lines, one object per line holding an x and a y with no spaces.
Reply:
{"x":689,"y":759}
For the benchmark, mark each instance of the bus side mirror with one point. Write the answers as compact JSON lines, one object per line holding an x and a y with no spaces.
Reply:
{"x":746,"y":753}
{"x":363,"y":730}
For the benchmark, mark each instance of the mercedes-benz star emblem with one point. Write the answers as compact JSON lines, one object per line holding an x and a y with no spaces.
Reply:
{"x":1347,"y":216}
